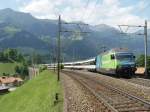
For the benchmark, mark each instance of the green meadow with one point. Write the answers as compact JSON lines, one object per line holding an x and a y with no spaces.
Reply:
{"x":36,"y":95}
{"x":8,"y":68}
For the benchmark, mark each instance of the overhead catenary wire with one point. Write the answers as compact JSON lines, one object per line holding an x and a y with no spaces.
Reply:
{"x":65,"y":31}
{"x":60,"y":30}
{"x":145,"y":41}
{"x":85,"y":13}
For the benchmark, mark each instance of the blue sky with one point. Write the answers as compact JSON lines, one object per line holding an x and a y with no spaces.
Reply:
{"x":94,"y":12}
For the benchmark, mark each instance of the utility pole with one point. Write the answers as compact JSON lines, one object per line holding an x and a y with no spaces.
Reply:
{"x":58,"y":50}
{"x":55,"y":57}
{"x":59,"y":41}
{"x":145,"y":40}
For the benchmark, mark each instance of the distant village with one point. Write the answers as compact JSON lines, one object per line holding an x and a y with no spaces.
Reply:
{"x":9,"y":83}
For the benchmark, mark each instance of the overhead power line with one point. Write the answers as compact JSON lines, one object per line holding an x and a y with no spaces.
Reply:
{"x":145,"y":42}
{"x":60,"y":30}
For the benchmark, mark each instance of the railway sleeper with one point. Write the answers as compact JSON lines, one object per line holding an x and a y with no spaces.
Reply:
{"x":143,"y":106}
{"x":128,"y":106}
{"x":108,"y":99}
{"x":115,"y":99}
{"x":134,"y":109}
{"x":123,"y":103}
{"x":119,"y":101}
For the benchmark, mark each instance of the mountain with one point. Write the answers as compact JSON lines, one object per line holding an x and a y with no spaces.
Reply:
{"x":23,"y":31}
{"x":27,"y":22}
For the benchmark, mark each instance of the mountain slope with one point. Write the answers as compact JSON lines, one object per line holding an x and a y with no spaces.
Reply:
{"x":23,"y":39}
{"x":18,"y":29}
{"x":27,"y":22}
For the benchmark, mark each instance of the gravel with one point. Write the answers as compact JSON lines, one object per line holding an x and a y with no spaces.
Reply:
{"x":77,"y":98}
{"x":139,"y":81}
{"x":131,"y":88}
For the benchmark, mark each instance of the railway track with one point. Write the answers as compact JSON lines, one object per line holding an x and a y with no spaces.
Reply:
{"x":114,"y":100}
{"x":139,"y":81}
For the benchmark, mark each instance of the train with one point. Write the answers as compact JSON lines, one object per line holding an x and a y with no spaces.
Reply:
{"x":116,"y":62}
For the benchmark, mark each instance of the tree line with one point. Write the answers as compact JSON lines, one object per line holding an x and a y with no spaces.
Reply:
{"x":140,"y":61}
{"x":11,"y":55}
{"x":22,"y":60}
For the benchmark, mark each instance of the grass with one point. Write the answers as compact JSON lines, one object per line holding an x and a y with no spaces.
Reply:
{"x":37,"y":95}
{"x":0,"y":97}
{"x":8,"y":68}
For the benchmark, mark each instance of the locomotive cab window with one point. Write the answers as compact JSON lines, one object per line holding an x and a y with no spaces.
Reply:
{"x":125,"y":57}
{"x":112,"y":56}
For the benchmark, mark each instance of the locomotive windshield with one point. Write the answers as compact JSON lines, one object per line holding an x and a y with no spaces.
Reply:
{"x":123,"y":56}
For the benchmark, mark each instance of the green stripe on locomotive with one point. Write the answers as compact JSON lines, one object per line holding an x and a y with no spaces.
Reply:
{"x":105,"y":61}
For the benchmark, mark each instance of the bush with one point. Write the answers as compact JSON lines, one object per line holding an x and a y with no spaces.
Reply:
{"x":141,"y":61}
{"x":22,"y":70}
{"x":43,"y":67}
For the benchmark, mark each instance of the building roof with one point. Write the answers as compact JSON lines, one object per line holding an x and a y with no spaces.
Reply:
{"x":6,"y":80}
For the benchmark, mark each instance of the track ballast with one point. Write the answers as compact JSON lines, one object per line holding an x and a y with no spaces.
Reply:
{"x":114,"y":100}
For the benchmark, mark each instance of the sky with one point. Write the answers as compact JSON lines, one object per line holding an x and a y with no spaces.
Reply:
{"x":111,"y":12}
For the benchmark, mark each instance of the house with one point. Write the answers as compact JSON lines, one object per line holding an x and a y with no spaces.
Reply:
{"x":140,"y":70}
{"x":10,"y":81}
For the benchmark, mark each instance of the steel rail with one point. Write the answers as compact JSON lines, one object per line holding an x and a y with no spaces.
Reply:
{"x":107,"y":105}
{"x":139,"y":81}
{"x":123,"y":92}
{"x":127,"y":95}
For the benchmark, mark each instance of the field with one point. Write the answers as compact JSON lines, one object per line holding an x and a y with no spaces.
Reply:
{"x":0,"y":96}
{"x":8,"y":68}
{"x":36,"y":95}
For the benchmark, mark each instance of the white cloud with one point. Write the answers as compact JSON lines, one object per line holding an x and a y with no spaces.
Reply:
{"x":142,"y":4}
{"x":41,"y":8}
{"x":108,"y":11}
